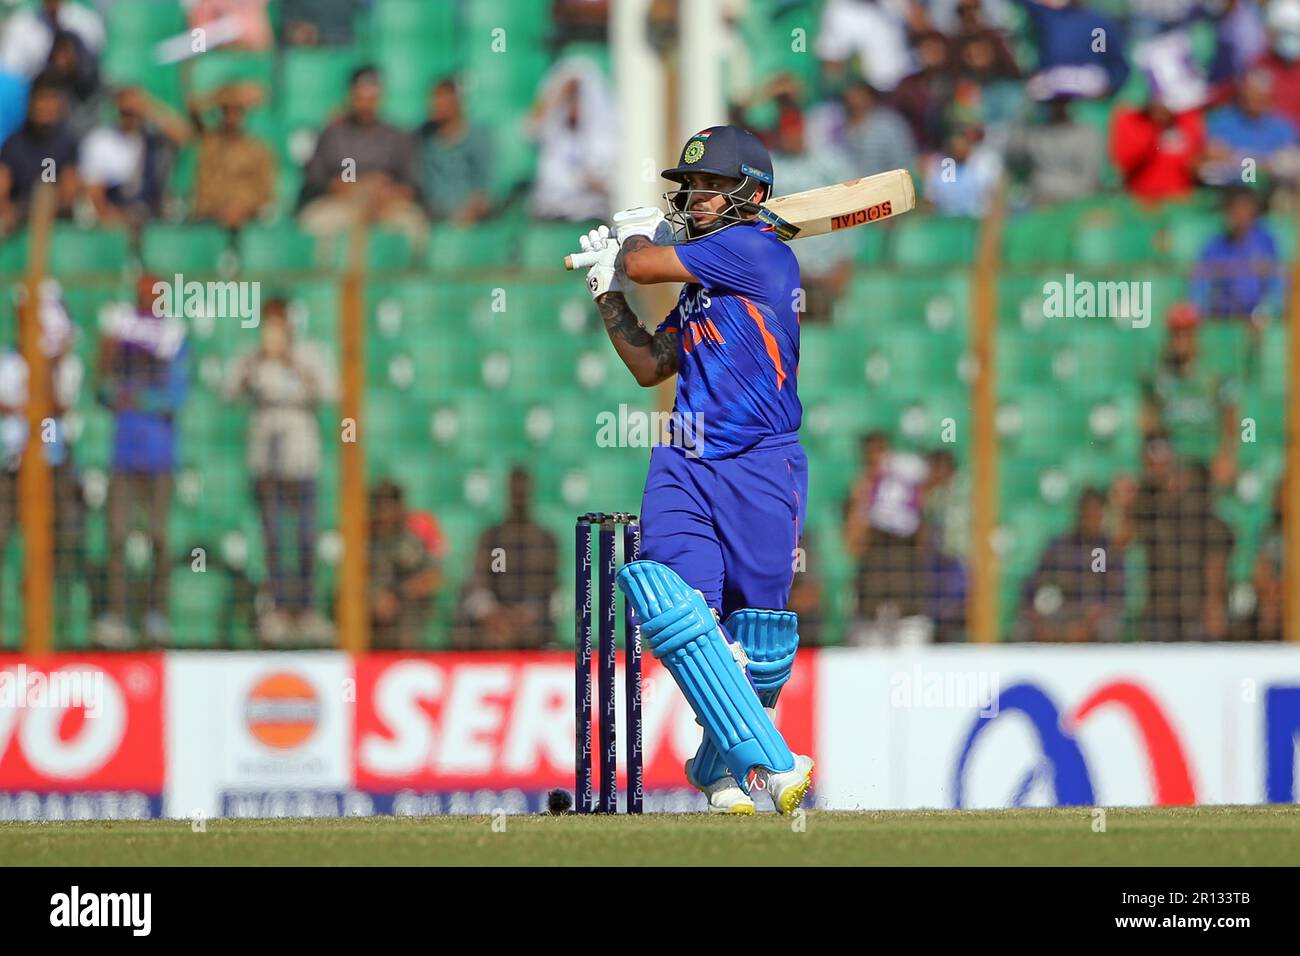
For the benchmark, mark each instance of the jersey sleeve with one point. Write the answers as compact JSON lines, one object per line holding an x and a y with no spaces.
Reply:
{"x":731,"y":260}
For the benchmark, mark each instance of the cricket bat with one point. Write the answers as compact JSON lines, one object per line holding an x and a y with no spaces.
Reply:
{"x":816,"y":212}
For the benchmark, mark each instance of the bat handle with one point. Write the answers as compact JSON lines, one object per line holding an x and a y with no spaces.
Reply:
{"x":581,"y":260}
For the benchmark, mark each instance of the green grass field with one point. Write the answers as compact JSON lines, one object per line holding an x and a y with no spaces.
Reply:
{"x":1227,"y":836}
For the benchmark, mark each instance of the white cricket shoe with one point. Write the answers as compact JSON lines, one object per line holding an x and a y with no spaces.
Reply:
{"x":724,"y":794}
{"x":787,"y":789}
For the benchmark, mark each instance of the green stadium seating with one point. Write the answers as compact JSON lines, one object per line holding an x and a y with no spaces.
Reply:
{"x":135,"y":23}
{"x":133,"y":27}
{"x":1038,"y":237}
{"x":514,"y":154}
{"x":314,"y":84}
{"x":415,"y":44}
{"x":128,"y":67}
{"x":823,"y":359}
{"x":836,"y":423}
{"x":13,"y":254}
{"x":940,"y":302}
{"x":1226,"y":348}
{"x":183,"y":174}
{"x":75,"y":252}
{"x":201,"y":417}
{"x":564,"y":309}
{"x":479,"y":353}
{"x":1099,"y":356}
{"x":429,"y":479}
{"x":190,"y":248}
{"x":288,"y":187}
{"x":95,"y":441}
{"x":1038,"y":421}
{"x":84,"y":304}
{"x":1274,"y":361}
{"x":544,"y":245}
{"x":1270,"y":424}
{"x":527,"y":22}
{"x":1024,"y":358}
{"x":870,"y":247}
{"x":274,"y":249}
{"x":386,"y":251}
{"x":11,"y":601}
{"x":492,"y":244}
{"x":198,"y":602}
{"x":1116,"y":237}
{"x":911,"y":361}
{"x":503,"y":85}
{"x":1189,"y":231}
{"x":1018,"y":479}
{"x":402,"y":19}
{"x":872,"y":300}
{"x":925,"y":242}
{"x":218,"y":67}
{"x":768,"y":33}
{"x":226,"y":494}
{"x":1284,"y":230}
{"x":316,"y":305}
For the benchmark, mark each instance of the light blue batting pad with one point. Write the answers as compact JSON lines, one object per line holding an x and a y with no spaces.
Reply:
{"x":770,"y":639}
{"x":680,"y":630}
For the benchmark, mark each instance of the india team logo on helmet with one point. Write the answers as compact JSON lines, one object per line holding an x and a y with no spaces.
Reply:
{"x":694,"y":151}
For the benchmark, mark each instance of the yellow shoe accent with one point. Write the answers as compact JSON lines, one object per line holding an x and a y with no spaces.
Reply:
{"x":793,"y":796}
{"x":741,"y":810}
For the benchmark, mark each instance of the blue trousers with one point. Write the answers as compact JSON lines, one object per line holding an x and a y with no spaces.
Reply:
{"x":730,"y":527}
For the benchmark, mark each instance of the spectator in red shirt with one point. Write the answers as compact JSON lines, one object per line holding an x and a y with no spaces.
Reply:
{"x":1157,"y":150}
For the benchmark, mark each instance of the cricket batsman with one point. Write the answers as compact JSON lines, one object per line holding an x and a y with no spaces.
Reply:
{"x":724,"y":500}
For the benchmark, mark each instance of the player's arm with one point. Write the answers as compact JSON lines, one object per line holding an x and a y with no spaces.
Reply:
{"x":650,"y":358}
{"x":646,"y":263}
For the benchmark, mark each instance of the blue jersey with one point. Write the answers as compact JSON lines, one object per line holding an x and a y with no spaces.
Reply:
{"x":738,"y":342}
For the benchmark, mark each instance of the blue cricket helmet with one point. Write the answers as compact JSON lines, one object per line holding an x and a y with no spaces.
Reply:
{"x":721,"y":151}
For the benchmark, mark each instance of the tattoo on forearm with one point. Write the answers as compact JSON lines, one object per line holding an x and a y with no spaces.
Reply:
{"x":622,"y":325}
{"x":620,"y":321}
{"x":664,"y":349}
{"x":633,"y":243}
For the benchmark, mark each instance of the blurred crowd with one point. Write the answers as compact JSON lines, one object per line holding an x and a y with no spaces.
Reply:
{"x":111,"y":148}
{"x":1055,"y":101}
{"x":944,"y":87}
{"x":1085,"y":97}
{"x":142,"y":374}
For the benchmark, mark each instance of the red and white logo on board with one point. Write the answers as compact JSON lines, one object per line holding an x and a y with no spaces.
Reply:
{"x":106,"y":736}
{"x":496,"y":721}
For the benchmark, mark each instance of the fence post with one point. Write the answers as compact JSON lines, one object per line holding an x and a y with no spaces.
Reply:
{"x":982,"y":615}
{"x":35,"y":490}
{"x":354,"y":570}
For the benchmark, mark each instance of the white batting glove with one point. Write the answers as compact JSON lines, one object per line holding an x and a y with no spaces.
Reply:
{"x":645,"y":221}
{"x":604,"y":276}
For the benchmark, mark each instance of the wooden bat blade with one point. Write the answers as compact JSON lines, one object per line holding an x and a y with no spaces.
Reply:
{"x":816,"y":212}
{"x":842,"y":206}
